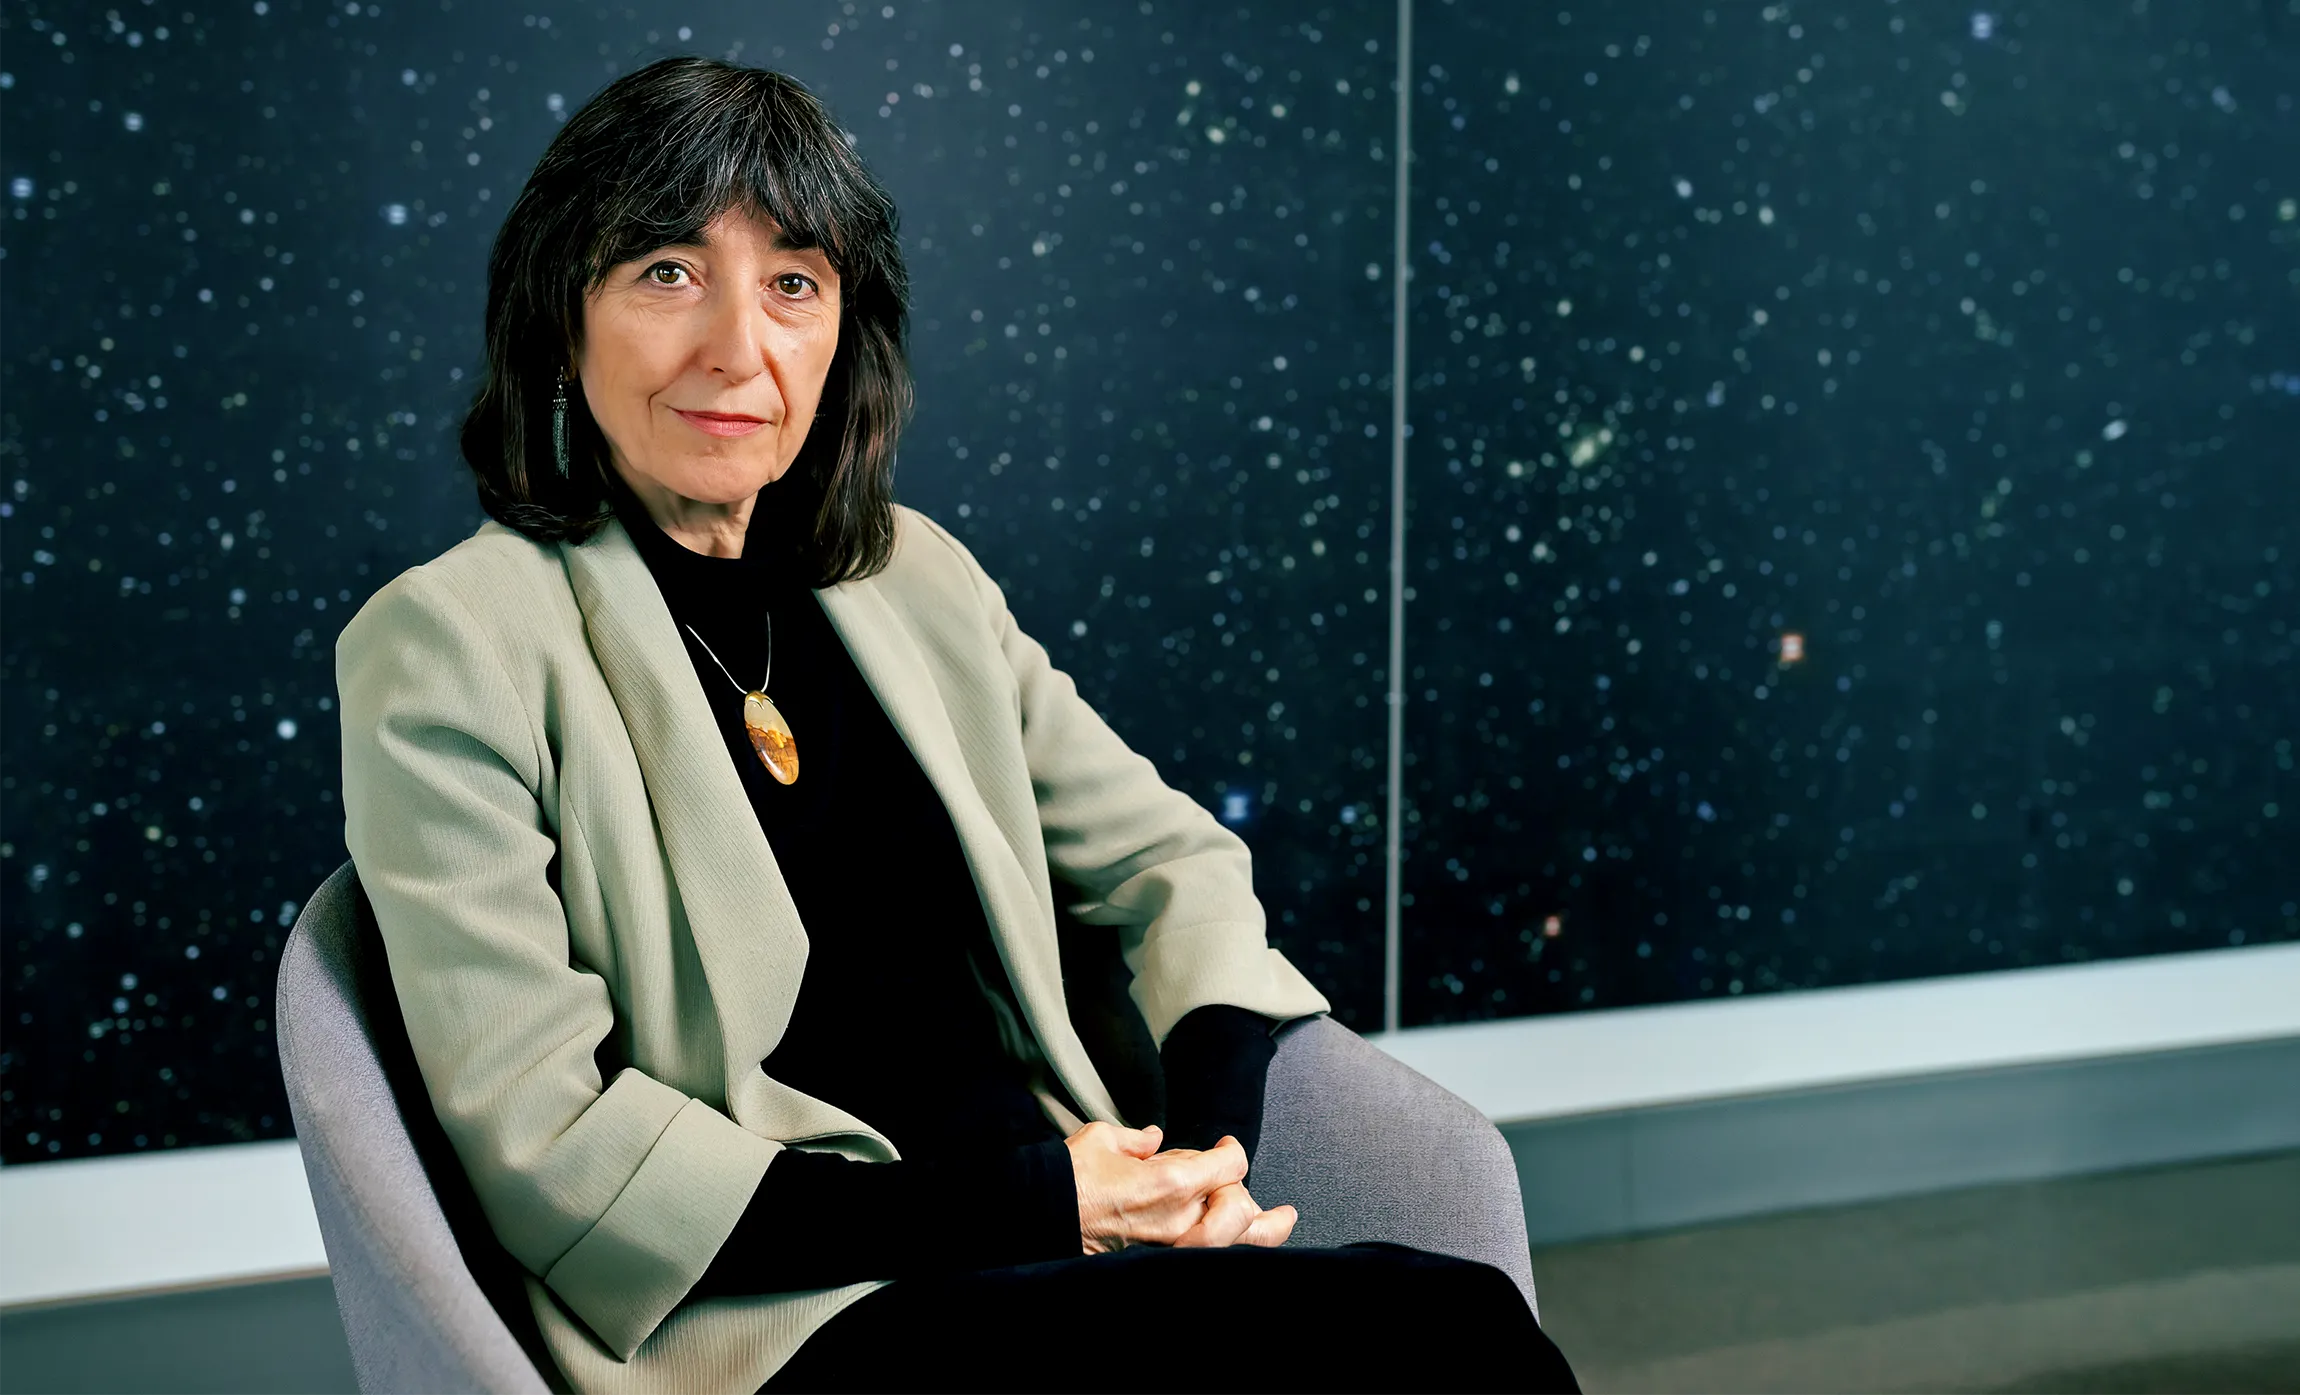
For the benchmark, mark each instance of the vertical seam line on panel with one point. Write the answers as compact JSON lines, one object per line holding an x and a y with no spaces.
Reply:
{"x":1393,"y":853}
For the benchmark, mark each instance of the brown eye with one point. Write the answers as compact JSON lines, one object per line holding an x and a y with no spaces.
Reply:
{"x":654,"y":273}
{"x":791,"y":283}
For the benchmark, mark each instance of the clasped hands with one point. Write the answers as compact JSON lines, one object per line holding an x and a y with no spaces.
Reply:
{"x":1129,"y":1193}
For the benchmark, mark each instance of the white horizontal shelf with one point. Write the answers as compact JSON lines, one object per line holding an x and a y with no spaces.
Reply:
{"x":1633,"y":1058}
{"x":184,"y":1217}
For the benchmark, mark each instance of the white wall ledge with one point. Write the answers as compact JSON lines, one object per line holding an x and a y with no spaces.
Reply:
{"x":146,"y":1221}
{"x":1634,"y":1058}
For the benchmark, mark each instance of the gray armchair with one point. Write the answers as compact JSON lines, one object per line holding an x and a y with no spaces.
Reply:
{"x":1366,"y":1148}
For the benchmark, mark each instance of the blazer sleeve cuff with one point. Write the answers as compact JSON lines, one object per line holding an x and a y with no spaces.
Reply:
{"x":659,"y":1235}
{"x":1183,"y":967}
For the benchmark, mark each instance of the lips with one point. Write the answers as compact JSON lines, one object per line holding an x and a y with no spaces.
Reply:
{"x":721,"y":423}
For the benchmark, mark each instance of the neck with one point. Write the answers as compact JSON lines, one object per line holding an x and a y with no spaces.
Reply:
{"x":713,"y":530}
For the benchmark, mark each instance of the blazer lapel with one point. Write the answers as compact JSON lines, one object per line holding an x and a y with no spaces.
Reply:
{"x":897,"y":672}
{"x":745,"y":924}
{"x":747,"y":930}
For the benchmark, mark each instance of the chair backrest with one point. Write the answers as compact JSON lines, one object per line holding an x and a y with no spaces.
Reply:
{"x":430,"y":1300}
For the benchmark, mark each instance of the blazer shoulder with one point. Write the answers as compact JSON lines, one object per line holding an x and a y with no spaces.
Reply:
{"x":495,"y":557}
{"x":498,"y":580}
{"x":927,"y":552}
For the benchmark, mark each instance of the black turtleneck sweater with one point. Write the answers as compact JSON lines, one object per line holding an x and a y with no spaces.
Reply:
{"x":890,"y":1022}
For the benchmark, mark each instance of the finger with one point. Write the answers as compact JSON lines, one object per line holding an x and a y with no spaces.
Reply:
{"x":1166,"y":1220}
{"x":1228,"y":1161}
{"x":1229,"y":1212}
{"x":1270,"y":1228}
{"x":1142,"y":1142}
{"x":1201,"y":1173}
{"x":1103,"y":1136}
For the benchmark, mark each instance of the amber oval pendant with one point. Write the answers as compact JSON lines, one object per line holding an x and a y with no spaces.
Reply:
{"x":771,"y":737}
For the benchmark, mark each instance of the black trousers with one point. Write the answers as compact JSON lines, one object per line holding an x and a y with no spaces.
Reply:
{"x":1357,"y":1317}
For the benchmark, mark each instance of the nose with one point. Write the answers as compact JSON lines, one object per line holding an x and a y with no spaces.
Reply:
{"x":735,"y":346}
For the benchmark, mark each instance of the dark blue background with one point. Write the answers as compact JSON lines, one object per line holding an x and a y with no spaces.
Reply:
{"x":2044,"y":710}
{"x":1958,"y":341}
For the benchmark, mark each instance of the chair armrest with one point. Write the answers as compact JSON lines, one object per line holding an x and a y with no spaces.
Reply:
{"x":1369,"y":1149}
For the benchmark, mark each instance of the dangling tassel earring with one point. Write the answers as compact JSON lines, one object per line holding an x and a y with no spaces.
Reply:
{"x":559,"y":428}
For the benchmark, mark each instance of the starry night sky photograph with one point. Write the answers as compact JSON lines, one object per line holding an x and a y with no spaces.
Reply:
{"x":1851,"y":467}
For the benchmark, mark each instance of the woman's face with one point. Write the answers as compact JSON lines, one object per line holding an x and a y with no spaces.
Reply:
{"x":703,"y":365}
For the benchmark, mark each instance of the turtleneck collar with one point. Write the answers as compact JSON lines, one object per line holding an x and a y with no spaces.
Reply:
{"x":768,"y":559}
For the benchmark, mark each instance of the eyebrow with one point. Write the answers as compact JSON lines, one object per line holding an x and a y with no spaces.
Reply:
{"x":781,"y":243}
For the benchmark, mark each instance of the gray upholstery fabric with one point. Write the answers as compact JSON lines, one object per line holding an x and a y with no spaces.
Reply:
{"x":416,"y":1317}
{"x":1364,"y":1146}
{"x":1369,"y":1149}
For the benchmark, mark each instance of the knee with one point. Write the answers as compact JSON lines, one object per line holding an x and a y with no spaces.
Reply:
{"x":1461,"y":1295}
{"x":1499,"y":1328}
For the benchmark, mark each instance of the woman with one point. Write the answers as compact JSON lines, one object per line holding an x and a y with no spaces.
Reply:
{"x":712,"y":806}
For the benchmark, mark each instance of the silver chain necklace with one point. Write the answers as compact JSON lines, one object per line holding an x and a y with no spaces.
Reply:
{"x":770,"y":733}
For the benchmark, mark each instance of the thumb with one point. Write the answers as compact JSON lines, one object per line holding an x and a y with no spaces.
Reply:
{"x":1142,"y":1142}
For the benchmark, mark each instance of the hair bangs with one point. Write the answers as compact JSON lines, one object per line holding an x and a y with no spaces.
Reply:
{"x":746,"y":156}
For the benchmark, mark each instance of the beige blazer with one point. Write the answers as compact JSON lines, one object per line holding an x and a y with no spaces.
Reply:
{"x":594,"y":949}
